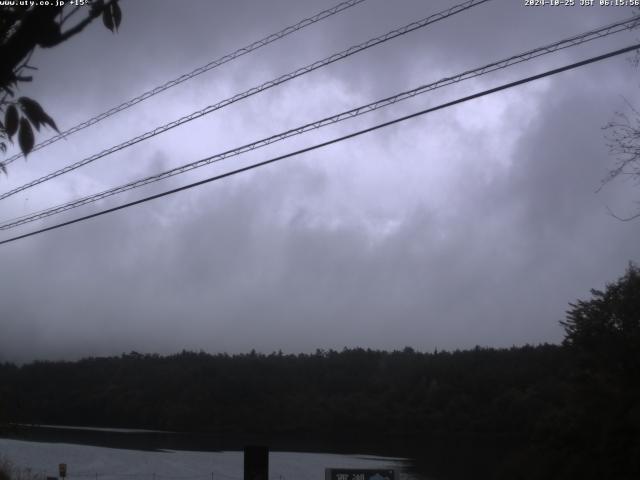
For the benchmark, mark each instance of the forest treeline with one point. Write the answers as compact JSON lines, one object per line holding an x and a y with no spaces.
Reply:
{"x":403,"y":392}
{"x":572,"y":410}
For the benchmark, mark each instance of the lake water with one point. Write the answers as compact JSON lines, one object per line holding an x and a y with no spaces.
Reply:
{"x":91,"y":462}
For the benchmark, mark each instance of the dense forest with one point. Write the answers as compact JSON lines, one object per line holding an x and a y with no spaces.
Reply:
{"x":565,"y":411}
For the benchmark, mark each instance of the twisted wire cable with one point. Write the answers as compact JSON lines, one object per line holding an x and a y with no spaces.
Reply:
{"x":252,"y":91}
{"x":498,"y":65}
{"x":331,"y":142}
{"x":187,"y":76}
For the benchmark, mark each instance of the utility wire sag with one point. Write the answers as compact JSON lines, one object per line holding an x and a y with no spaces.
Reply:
{"x":370,"y":107}
{"x":252,"y":91}
{"x":330,"y":142}
{"x":187,"y":76}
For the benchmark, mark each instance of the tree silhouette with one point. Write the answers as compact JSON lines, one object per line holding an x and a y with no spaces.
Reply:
{"x":603,"y":424}
{"x":605,"y":330}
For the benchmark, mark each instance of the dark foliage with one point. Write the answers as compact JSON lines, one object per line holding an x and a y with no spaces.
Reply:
{"x":22,"y":29}
{"x":477,"y":391}
{"x":603,"y":336}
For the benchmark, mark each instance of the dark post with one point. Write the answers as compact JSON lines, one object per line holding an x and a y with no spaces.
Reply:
{"x":256,"y":463}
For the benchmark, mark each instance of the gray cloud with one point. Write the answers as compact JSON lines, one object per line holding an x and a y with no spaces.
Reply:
{"x":475,"y":225}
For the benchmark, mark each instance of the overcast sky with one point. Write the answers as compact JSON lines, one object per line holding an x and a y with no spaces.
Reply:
{"x":474,"y":225}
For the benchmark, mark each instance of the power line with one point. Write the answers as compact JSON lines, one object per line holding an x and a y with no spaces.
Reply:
{"x":330,"y":142}
{"x":252,"y":91}
{"x":501,"y":64}
{"x":187,"y":76}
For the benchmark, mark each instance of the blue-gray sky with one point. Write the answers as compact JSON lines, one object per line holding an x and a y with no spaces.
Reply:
{"x":475,"y":225}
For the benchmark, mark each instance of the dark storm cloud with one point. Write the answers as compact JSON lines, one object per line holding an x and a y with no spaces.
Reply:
{"x":476,"y":225}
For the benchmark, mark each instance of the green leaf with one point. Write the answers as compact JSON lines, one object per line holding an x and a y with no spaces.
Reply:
{"x":117,"y":14}
{"x":32,"y":110}
{"x":25,"y":136}
{"x":107,"y":18}
{"x":36,"y":114}
{"x":11,"y":120}
{"x":47,"y":120}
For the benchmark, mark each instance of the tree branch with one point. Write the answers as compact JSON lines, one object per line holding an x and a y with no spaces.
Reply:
{"x":69,"y":15}
{"x":622,"y":219}
{"x":39,"y":28}
{"x":80,"y":26}
{"x":35,"y":27}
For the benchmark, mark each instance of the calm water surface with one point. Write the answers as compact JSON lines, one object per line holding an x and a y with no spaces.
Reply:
{"x":121,"y":454}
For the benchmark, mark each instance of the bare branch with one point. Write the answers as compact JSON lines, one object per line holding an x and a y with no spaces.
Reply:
{"x":622,"y":219}
{"x":76,"y":29}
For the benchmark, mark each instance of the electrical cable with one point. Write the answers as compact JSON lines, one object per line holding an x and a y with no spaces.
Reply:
{"x":501,"y":64}
{"x":252,"y":91}
{"x":187,"y":76}
{"x":330,"y":142}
